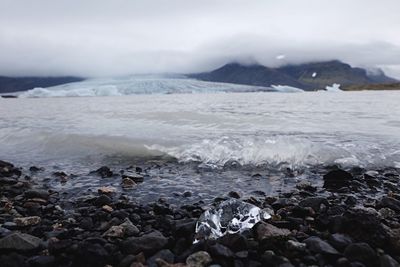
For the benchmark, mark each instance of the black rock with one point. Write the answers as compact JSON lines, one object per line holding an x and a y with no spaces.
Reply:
{"x":102,"y":200}
{"x":42,"y":261}
{"x":104,"y":172}
{"x":12,"y":260}
{"x":317,"y":245}
{"x":86,"y":223}
{"x":361,"y":252}
{"x":165,"y":254}
{"x":37,"y":194}
{"x":91,"y":254}
{"x":35,"y":169}
{"x":234,"y":194}
{"x":389,"y":202}
{"x":337,"y":178}
{"x":314,"y":203}
{"x":235,"y":242}
{"x":388,"y":261}
{"x":148,"y":243}
{"x":340,"y":241}
{"x":219,"y":250}
{"x":20,"y":242}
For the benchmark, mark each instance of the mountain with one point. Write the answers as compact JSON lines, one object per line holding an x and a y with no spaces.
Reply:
{"x":257,"y":75}
{"x":308,"y":76}
{"x":14,"y":84}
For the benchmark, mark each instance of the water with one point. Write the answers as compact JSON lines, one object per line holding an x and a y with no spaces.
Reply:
{"x":258,"y":131}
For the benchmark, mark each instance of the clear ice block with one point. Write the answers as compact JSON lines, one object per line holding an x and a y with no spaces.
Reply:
{"x":231,"y":216}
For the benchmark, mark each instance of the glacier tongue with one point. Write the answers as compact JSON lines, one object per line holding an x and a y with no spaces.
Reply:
{"x":229,"y":217}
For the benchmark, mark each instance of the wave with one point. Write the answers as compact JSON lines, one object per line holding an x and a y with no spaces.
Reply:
{"x":147,"y":84}
{"x":294,"y":151}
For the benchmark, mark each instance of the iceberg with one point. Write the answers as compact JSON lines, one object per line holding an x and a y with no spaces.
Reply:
{"x":229,"y":217}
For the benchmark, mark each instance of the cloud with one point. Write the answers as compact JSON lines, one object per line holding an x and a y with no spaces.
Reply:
{"x":109,"y":38}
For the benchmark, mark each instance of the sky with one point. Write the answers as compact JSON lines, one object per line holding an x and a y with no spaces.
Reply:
{"x":103,"y":38}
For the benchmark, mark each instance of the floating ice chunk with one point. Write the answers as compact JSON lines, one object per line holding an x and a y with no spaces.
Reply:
{"x":280,"y":57}
{"x":334,"y":88}
{"x":314,"y":75}
{"x":231,"y":216}
{"x":286,"y":88}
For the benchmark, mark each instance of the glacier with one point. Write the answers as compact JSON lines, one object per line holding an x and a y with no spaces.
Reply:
{"x":146,"y":84}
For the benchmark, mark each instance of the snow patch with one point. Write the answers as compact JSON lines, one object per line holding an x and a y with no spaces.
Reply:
{"x":314,"y":75}
{"x":286,"y":88}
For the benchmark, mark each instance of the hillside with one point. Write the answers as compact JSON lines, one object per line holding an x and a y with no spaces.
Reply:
{"x":308,"y":76}
{"x":15,"y":84}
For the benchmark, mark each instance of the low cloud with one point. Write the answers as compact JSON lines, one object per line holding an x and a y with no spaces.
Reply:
{"x":111,"y":38}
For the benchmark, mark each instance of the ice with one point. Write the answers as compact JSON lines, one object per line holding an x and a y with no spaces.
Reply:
{"x":334,"y":88}
{"x":286,"y":88}
{"x":280,"y":57}
{"x":231,"y":216}
{"x":314,"y":75}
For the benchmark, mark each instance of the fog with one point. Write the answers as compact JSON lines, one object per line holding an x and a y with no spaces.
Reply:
{"x":110,"y":38}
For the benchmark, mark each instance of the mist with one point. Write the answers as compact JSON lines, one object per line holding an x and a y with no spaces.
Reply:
{"x":112,"y":38}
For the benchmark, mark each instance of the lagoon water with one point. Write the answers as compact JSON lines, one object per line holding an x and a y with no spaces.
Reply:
{"x":210,"y":130}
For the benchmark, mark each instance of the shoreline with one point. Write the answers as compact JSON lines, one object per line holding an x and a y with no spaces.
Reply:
{"x":352,"y":220}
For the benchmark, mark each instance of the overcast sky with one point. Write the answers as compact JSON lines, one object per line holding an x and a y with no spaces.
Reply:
{"x":119,"y":37}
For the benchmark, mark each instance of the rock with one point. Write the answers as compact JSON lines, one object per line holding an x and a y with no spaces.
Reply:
{"x":8,"y":181}
{"x":116,"y":231}
{"x":35,"y":169}
{"x":125,"y":229}
{"x":102,"y":200}
{"x":387,"y":213}
{"x":283,"y":202}
{"x":314,"y":203}
{"x":337,"y":178}
{"x":127,"y":183}
{"x":107,"y":190}
{"x":104,"y":172}
{"x":267,"y":231}
{"x":296,"y":246}
{"x":340,"y":241}
{"x":13,"y":260}
{"x":317,"y":245}
{"x":389,"y":202}
{"x":107,"y":208}
{"x":387,"y":261}
{"x":235,"y":242}
{"x":137,"y":178}
{"x":42,"y":261}
{"x":166,"y":255}
{"x":86,"y":223}
{"x":234,"y":194}
{"x":198,"y":259}
{"x":129,"y":228}
{"x":361,"y":252}
{"x":37,"y":194}
{"x":219,"y":250}
{"x":27,"y":221}
{"x":20,"y":242}
{"x":148,"y":243}
{"x":91,"y":254}
{"x":187,"y":194}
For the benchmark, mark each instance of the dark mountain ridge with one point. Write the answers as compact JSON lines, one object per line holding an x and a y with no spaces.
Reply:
{"x":308,"y":76}
{"x":15,"y":84}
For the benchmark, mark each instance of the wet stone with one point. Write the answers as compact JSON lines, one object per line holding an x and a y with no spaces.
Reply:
{"x":198,"y":259}
{"x":27,"y":221}
{"x":20,"y":242}
{"x":318,"y":245}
